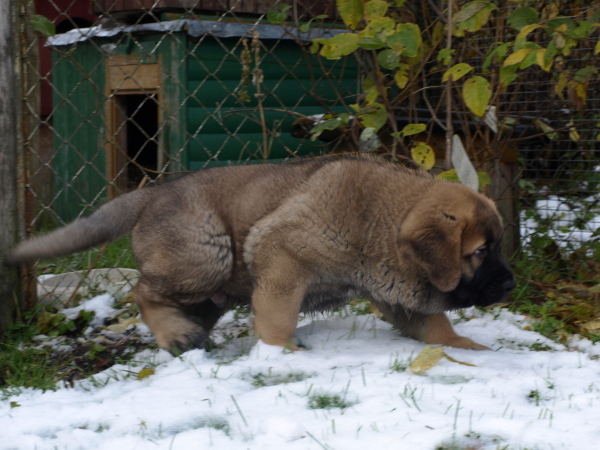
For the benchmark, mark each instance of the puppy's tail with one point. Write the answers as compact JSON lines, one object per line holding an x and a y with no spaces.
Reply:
{"x":111,"y":221}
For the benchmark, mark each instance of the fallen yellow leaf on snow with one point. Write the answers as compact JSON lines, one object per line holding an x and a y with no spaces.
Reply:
{"x":123,"y":324}
{"x":429,"y":357}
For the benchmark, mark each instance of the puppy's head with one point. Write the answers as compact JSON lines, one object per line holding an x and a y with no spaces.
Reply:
{"x":455,"y":236}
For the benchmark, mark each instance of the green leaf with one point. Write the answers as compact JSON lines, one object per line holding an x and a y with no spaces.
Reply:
{"x":472,"y":17}
{"x":423,"y":155}
{"x":315,"y":46}
{"x":280,"y":16}
{"x":371,"y":43}
{"x":378,"y":27}
{"x":477,"y":94}
{"x":339,"y":45}
{"x":583,"y":75}
{"x":444,"y":55}
{"x":375,"y":9}
{"x":43,"y":25}
{"x":448,"y":175}
{"x":529,"y":60}
{"x":523,"y":16}
{"x":373,"y":116}
{"x":276,"y":16}
{"x":451,"y":175}
{"x":583,"y":30}
{"x":388,"y":59}
{"x":484,"y":179}
{"x":565,"y":24}
{"x":351,"y":12}
{"x":406,"y":40}
{"x":413,"y":128}
{"x":330,"y":124}
{"x":456,"y":72}
{"x":306,"y":26}
{"x":508,"y":75}
{"x":499,"y":51}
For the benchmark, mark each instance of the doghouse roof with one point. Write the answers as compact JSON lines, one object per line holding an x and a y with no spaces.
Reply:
{"x":194,"y":28}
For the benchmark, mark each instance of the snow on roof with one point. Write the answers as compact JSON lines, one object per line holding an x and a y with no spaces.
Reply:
{"x":194,"y":28}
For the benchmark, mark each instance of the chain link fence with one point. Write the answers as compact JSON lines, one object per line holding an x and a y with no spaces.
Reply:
{"x":131,"y":92}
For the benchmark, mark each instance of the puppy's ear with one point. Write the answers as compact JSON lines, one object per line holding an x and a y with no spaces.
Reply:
{"x":433,"y":241}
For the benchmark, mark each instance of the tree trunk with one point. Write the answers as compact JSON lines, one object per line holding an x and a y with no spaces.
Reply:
{"x":10,"y":299}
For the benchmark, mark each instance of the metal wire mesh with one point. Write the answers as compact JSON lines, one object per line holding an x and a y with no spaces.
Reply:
{"x":130,"y":92}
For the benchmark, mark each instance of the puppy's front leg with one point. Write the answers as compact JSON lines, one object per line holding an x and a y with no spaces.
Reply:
{"x":437,"y":329}
{"x":429,"y":328}
{"x":277,"y":299}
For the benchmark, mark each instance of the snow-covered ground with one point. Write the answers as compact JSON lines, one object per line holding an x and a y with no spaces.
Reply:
{"x":528,"y":392}
{"x":567,"y":221}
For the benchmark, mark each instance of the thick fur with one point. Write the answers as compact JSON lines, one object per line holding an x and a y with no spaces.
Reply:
{"x":296,"y":237}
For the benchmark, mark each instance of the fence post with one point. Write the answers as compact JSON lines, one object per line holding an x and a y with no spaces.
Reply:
{"x":10,"y":302}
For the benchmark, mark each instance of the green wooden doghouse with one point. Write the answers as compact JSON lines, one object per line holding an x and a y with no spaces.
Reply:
{"x":168,"y":95}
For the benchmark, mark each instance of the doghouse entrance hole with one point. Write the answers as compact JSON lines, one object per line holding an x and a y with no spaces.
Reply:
{"x":138,"y":138}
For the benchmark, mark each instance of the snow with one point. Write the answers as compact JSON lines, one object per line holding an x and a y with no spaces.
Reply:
{"x":562,"y":214}
{"x":529,"y":392}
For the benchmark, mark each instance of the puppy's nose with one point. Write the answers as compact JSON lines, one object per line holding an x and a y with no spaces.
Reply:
{"x":509,"y":285}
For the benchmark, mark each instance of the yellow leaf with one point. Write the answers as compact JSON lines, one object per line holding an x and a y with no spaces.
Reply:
{"x":597,"y":48}
{"x":581,"y":92}
{"x":592,"y":326}
{"x":451,"y":359}
{"x":540,"y":58}
{"x":546,"y":128}
{"x":351,"y":12}
{"x":526,"y":30}
{"x":561,"y":84}
{"x":456,"y":72}
{"x":595,"y":289}
{"x":401,"y":76}
{"x":123,"y":325}
{"x":424,"y":155}
{"x":145,"y":373}
{"x":517,"y":57}
{"x":375,"y":9}
{"x":477,"y":94}
{"x":425,"y":360}
{"x":573,"y":133}
{"x":429,"y":357}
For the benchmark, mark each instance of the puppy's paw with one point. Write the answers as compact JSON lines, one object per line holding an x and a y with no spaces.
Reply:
{"x":463,"y":342}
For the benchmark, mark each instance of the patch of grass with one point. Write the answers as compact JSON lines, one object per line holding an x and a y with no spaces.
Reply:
{"x":23,"y":368}
{"x":47,"y":350}
{"x":398,"y":365}
{"x":261,"y":379}
{"x":216,"y":423}
{"x":559,"y":290}
{"x":534,"y":397}
{"x":116,"y":254}
{"x":327,"y":401}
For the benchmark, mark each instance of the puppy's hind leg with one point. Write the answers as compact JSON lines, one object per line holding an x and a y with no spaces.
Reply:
{"x":177,"y":326}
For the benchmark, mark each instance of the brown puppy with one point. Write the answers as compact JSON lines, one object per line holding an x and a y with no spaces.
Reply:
{"x":295,"y":237}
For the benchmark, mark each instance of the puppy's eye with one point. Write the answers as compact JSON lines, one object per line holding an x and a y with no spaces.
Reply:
{"x":480,"y":253}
